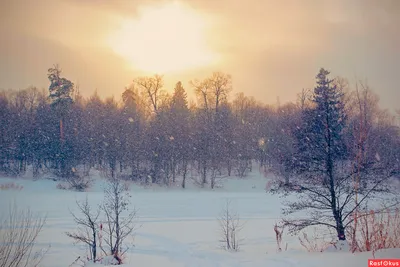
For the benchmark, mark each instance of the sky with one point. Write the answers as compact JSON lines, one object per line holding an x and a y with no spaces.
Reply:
{"x":272,"y":48}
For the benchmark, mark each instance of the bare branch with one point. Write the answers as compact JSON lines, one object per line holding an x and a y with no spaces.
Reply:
{"x":18,"y":233}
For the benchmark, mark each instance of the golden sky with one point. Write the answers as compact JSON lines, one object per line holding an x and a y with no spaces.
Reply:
{"x":272,"y":48}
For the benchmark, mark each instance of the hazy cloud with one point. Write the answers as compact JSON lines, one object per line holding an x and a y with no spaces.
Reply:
{"x":271,"y":48}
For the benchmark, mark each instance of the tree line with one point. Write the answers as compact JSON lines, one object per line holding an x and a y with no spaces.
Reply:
{"x":153,"y":136}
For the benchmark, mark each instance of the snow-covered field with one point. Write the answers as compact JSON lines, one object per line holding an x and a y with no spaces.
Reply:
{"x":179,"y":227}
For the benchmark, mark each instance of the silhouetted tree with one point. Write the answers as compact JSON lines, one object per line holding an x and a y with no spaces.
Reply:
{"x":180,"y":132}
{"x":132,"y":131}
{"x":61,"y":90}
{"x":324,"y":168}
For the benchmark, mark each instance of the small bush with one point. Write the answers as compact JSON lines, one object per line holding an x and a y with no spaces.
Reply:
{"x":315,"y":243}
{"x":230,"y":226}
{"x":111,"y":260}
{"x":376,"y":230}
{"x":11,"y":186}
{"x":120,"y":219}
{"x":62,"y":186}
{"x":87,"y":231}
{"x":278,"y":236}
{"x":76,"y":183}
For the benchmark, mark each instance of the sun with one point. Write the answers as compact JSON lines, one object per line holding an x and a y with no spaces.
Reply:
{"x":164,"y":39}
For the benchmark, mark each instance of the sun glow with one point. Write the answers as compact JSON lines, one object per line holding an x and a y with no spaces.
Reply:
{"x":164,"y":39}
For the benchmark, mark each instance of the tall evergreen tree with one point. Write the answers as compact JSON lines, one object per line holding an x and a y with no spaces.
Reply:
{"x":61,"y":90}
{"x":320,"y":151}
{"x":327,"y":166}
{"x":179,"y":98}
{"x":320,"y":139}
{"x":180,"y":132}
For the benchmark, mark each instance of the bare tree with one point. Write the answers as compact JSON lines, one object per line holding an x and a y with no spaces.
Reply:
{"x":242,"y":167}
{"x":230,"y":226}
{"x":281,"y":139}
{"x":244,"y":112}
{"x":120,"y":219}
{"x":213,"y":92}
{"x":304,"y":98}
{"x":221,"y":85}
{"x":151,"y":87}
{"x":18,"y":233}
{"x":87,"y":227}
{"x":213,"y":95}
{"x":202,"y":91}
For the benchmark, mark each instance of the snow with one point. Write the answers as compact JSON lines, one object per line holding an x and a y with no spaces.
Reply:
{"x":339,"y":246}
{"x":179,"y":227}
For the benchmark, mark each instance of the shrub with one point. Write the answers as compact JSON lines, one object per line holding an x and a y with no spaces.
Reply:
{"x":315,"y":243}
{"x":87,"y":230}
{"x":18,"y":233}
{"x":278,"y":235}
{"x":376,"y":230}
{"x":230,"y":226}
{"x":76,"y":183}
{"x":121,"y":219}
{"x":11,"y":186}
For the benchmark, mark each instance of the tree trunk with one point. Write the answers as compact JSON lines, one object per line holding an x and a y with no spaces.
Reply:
{"x":341,"y":230}
{"x":212,"y":184}
{"x":184,"y":174}
{"x":94,"y":251}
{"x":229,"y":167}
{"x":204,"y":172}
{"x":173,"y":168}
{"x":156,"y":170}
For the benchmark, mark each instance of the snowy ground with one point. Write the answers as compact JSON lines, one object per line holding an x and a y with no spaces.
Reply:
{"x":179,"y":227}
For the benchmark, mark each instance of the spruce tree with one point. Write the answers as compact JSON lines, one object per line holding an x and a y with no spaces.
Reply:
{"x":320,"y":139}
{"x":320,"y":150}
{"x":180,"y":132}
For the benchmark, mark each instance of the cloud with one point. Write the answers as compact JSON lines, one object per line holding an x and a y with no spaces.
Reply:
{"x":271,"y":47}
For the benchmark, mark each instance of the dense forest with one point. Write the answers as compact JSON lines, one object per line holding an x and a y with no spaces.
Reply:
{"x":153,"y":136}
